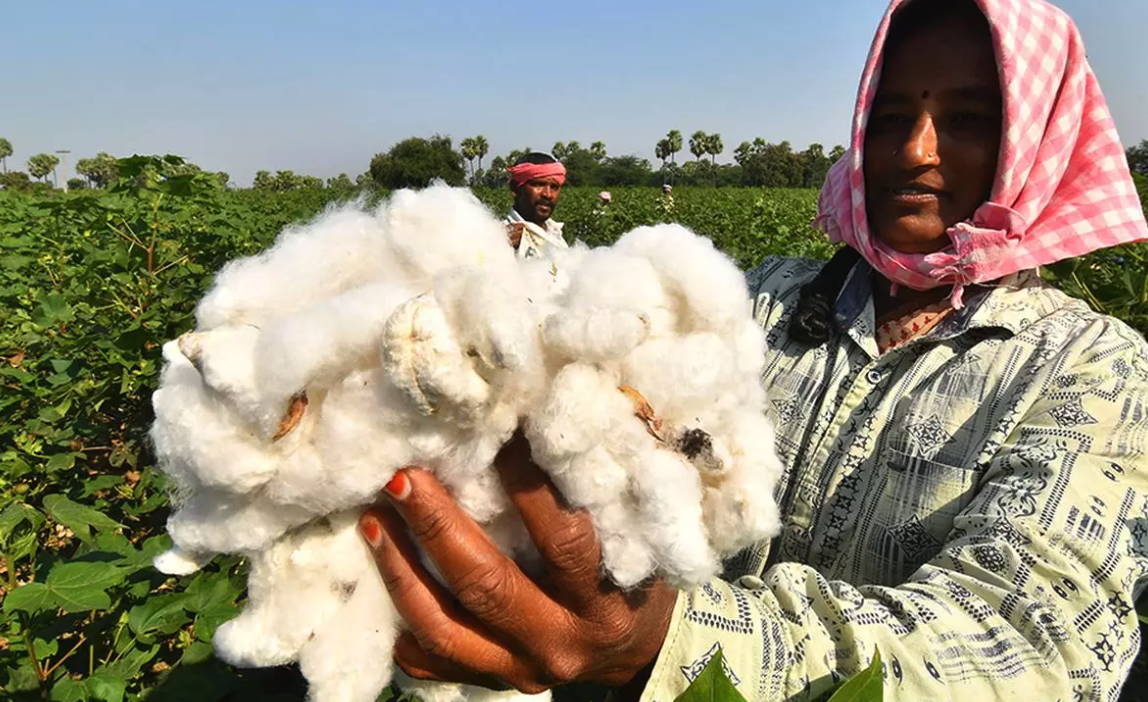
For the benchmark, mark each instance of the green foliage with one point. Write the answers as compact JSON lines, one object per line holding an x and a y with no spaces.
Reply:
{"x":5,"y":152}
{"x":340,"y":182}
{"x":415,"y":162}
{"x":40,"y":165}
{"x":1138,"y":160}
{"x":100,"y":170}
{"x":15,"y":181}
{"x":712,"y":684}
{"x":866,"y":686}
{"x":91,"y":284}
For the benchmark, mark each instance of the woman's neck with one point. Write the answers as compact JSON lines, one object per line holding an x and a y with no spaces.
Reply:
{"x":907,"y":300}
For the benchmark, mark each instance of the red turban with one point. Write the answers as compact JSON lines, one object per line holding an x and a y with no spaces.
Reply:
{"x":526,"y":172}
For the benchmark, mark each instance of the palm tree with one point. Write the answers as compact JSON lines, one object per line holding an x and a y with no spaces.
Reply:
{"x":674,"y":143}
{"x":468,"y":152}
{"x":742,"y":153}
{"x":5,"y":152}
{"x":713,"y":148}
{"x":481,"y":149}
{"x":598,"y":150}
{"x":559,"y":151}
{"x":40,"y":165}
{"x":662,"y":151}
{"x":698,"y":144}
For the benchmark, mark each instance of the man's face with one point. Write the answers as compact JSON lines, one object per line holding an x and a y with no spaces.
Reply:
{"x":535,"y":199}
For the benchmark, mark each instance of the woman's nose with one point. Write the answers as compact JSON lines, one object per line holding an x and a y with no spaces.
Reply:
{"x":920,"y":148}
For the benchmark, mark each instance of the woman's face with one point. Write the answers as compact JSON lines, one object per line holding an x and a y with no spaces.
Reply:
{"x":933,"y":135}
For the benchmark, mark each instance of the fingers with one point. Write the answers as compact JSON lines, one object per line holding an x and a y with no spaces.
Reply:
{"x":487,"y":583}
{"x":421,"y":665}
{"x":451,"y":637}
{"x":564,"y":537}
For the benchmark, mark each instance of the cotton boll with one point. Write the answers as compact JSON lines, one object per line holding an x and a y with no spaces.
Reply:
{"x":320,"y":345}
{"x":341,"y":249}
{"x":707,"y":282}
{"x":669,"y":507}
{"x":742,"y":510}
{"x":295,"y":587}
{"x":362,"y":441}
{"x":496,"y":322}
{"x":610,"y":279}
{"x":225,"y":359}
{"x":211,"y":521}
{"x":364,"y":342}
{"x":199,"y":441}
{"x":349,"y":657}
{"x":441,"y":227}
{"x":595,"y":334}
{"x":422,"y":358}
{"x":178,"y":562}
{"x":678,"y":375}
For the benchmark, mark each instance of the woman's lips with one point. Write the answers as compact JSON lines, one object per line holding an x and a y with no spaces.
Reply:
{"x":913,"y":195}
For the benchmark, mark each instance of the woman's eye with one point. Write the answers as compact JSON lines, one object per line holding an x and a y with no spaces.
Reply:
{"x":971,"y":119}
{"x":891,"y":119}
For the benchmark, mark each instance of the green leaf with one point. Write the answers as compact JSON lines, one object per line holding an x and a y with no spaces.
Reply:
{"x":68,"y":690}
{"x":44,"y":648}
{"x":197,"y":652}
{"x":163,"y":614}
{"x":866,"y":686}
{"x":61,"y":461}
{"x":712,"y":685}
{"x":23,"y":679}
{"x":16,"y":514}
{"x":106,"y":686}
{"x":33,"y":597}
{"x":77,"y":517}
{"x":209,"y":590}
{"x":80,"y":586}
{"x":55,"y":308}
{"x":210,"y":619}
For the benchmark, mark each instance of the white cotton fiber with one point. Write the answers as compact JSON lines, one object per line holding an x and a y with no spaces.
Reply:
{"x":366,"y":341}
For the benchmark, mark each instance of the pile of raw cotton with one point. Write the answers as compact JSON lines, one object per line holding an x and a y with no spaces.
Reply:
{"x":366,"y":341}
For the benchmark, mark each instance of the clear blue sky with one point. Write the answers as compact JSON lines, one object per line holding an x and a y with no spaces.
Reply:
{"x":318,"y":87}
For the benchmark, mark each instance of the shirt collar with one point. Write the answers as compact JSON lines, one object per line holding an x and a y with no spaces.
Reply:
{"x":549,"y":226}
{"x":1010,"y":304}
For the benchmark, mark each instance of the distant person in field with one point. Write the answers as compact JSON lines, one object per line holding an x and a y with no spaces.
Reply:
{"x":536,"y":181}
{"x":966,"y":447}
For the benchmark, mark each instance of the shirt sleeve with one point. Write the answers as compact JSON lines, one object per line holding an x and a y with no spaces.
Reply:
{"x":1031,"y":596}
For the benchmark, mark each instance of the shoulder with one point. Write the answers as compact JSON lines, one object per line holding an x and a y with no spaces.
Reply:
{"x":776,"y":276}
{"x":1062,"y":345}
{"x":1042,"y":315}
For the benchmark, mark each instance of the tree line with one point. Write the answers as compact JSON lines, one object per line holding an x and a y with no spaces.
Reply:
{"x":416,"y":161}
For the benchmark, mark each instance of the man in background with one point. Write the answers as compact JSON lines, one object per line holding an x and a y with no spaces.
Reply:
{"x":536,"y":181}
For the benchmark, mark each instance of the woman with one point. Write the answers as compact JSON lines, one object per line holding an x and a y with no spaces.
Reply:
{"x":967,"y":486}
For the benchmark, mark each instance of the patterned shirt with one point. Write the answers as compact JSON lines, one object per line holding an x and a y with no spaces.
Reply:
{"x":973,"y":503}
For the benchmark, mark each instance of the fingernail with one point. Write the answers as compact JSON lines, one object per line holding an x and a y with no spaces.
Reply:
{"x":371,"y":530}
{"x":399,"y":487}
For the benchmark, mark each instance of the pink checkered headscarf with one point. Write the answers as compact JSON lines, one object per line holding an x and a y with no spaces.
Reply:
{"x":1062,"y":188}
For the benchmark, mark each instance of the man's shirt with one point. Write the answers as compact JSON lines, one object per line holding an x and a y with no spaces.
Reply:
{"x":536,"y":239}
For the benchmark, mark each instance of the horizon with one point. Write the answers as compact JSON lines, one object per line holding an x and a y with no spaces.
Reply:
{"x":320,"y":90}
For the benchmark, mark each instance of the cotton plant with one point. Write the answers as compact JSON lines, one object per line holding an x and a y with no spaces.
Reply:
{"x":366,"y":341}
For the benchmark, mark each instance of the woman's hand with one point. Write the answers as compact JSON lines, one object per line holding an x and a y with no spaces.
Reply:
{"x":499,"y":628}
